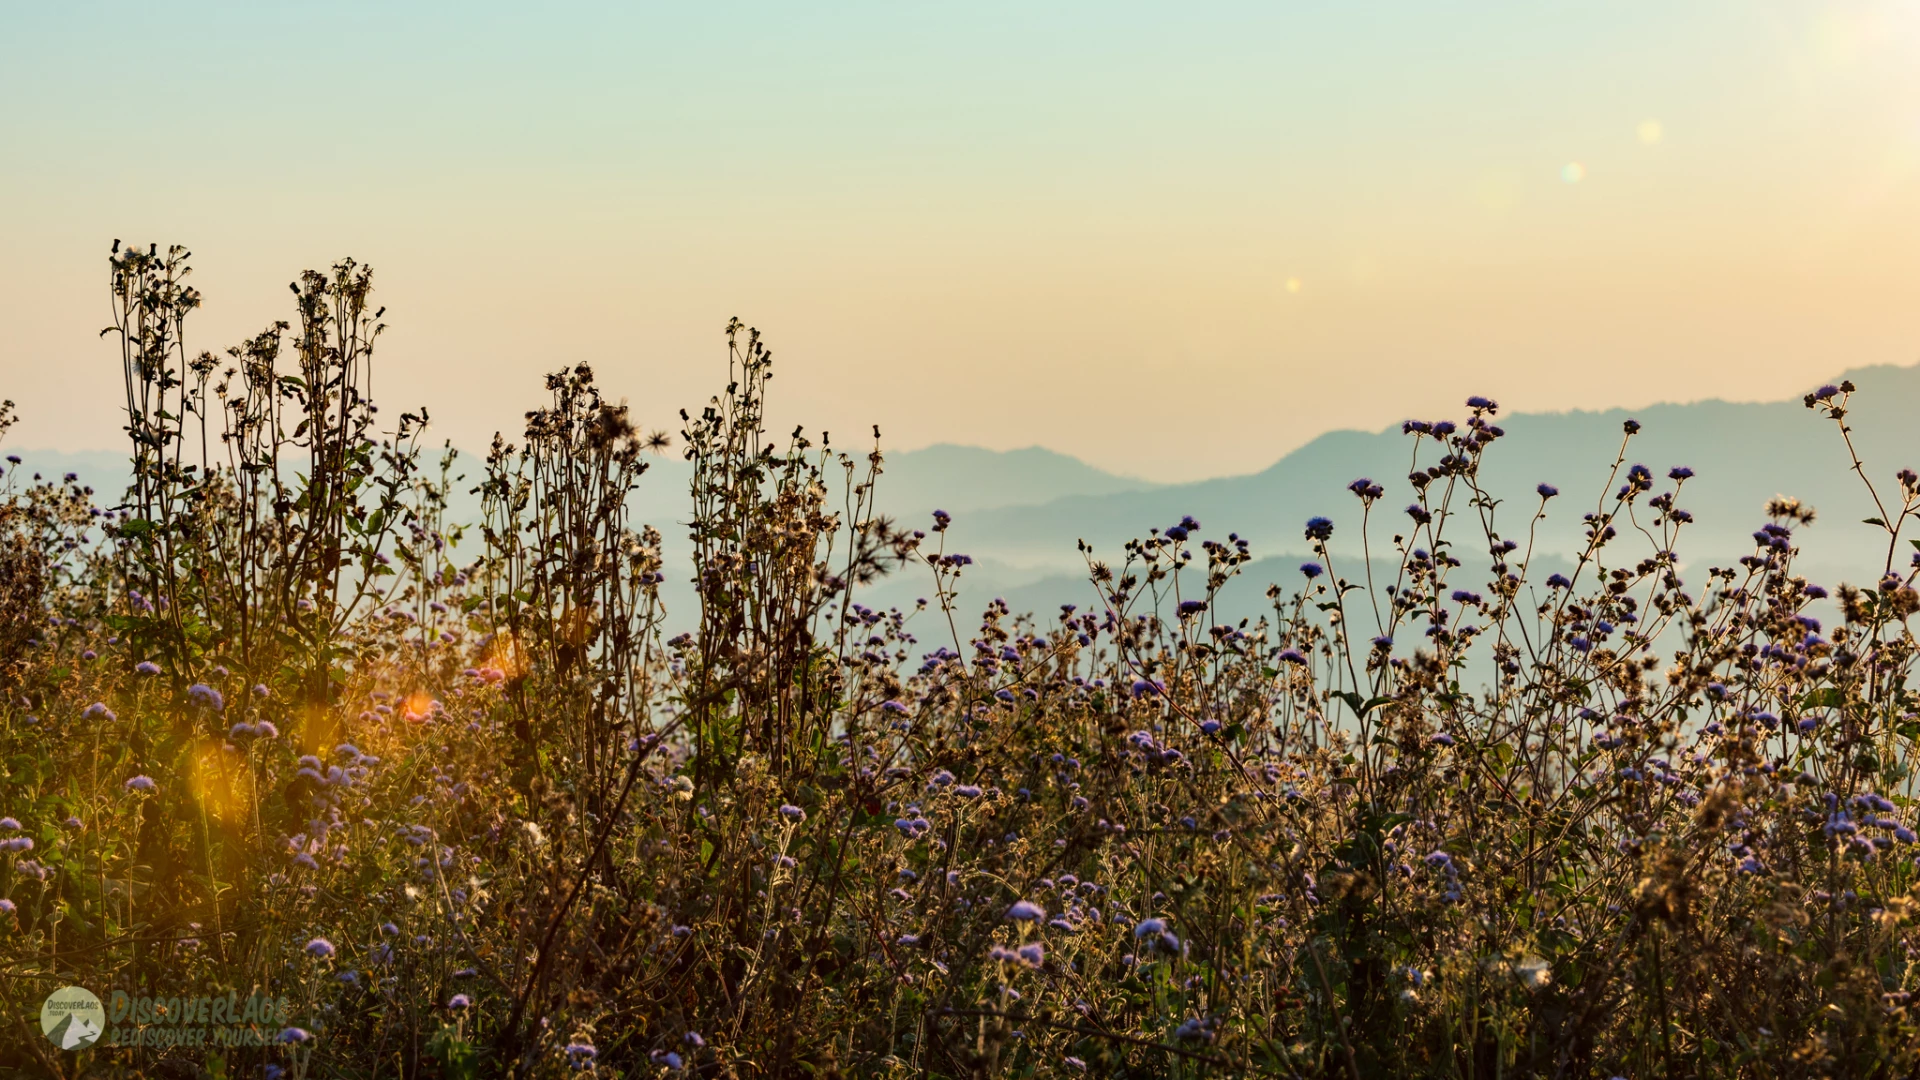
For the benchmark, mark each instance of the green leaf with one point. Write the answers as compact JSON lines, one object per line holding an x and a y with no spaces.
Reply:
{"x":1830,"y":697}
{"x":458,"y":1058}
{"x":1360,"y":706}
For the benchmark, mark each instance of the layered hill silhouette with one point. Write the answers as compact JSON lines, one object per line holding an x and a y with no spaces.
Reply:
{"x":1021,"y":513}
{"x":1742,"y":454}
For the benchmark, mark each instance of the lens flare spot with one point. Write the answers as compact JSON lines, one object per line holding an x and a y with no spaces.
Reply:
{"x":1573,"y":172}
{"x":419,"y":706}
{"x":1651,"y":132}
{"x":1293,"y":284}
{"x":218,"y":782}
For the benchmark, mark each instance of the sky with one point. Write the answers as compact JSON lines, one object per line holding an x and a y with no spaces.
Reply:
{"x":1175,"y":240}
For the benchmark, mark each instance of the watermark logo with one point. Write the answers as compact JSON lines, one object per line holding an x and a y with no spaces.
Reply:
{"x":196,"y":1021}
{"x":72,"y":1018}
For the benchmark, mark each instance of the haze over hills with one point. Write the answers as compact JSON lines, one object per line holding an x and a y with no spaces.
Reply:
{"x":1020,"y":513}
{"x":960,"y":479}
{"x":1742,"y":454}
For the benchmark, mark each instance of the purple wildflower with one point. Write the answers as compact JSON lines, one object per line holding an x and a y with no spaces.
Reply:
{"x":207,"y":696}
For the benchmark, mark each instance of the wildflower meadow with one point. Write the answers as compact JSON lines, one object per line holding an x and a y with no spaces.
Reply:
{"x":290,"y":749}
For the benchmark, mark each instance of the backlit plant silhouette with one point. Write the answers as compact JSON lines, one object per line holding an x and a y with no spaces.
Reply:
{"x":274,"y":721}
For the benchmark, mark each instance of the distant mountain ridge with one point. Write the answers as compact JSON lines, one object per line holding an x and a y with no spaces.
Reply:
{"x":959,"y":479}
{"x":946,"y":476}
{"x":1741,"y":454}
{"x":1020,"y":513}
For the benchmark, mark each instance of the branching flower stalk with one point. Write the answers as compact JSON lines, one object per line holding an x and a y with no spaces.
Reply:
{"x":472,"y":799}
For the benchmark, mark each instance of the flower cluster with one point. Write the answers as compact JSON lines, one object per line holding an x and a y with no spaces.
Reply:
{"x":453,"y":791}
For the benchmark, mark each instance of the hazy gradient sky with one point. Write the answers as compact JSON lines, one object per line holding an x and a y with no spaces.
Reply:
{"x":1174,"y":239}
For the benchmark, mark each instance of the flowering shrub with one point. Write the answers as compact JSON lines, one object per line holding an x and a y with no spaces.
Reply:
{"x":274,"y":725}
